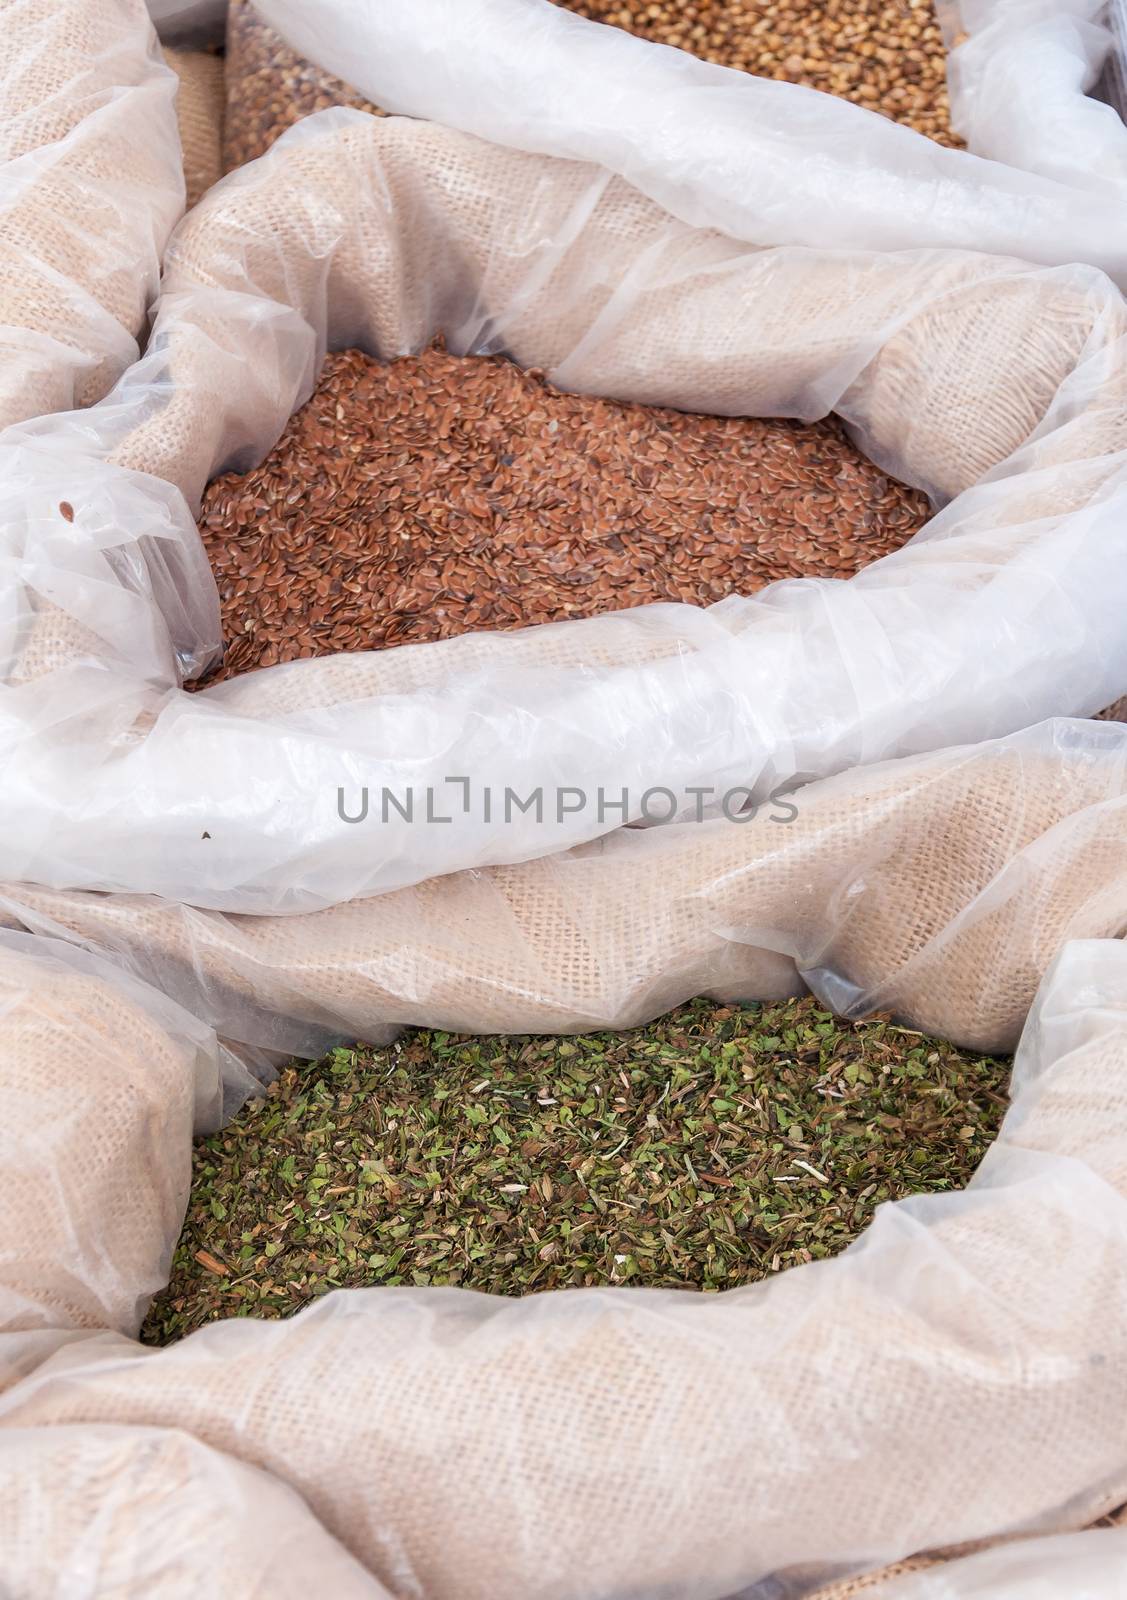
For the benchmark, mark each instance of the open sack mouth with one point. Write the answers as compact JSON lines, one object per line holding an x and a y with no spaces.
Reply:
{"x":382,"y":233}
{"x":959,"y":1327}
{"x":435,"y":495}
{"x":884,"y":788}
{"x":890,"y":884}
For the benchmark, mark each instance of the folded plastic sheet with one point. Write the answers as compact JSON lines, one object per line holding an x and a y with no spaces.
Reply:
{"x":106,"y":591}
{"x":90,"y":188}
{"x":147,"y":1511}
{"x":382,"y":232}
{"x":769,"y":162}
{"x":937,"y":887}
{"x":1020,"y":72}
{"x":1088,"y":1565}
{"x":959,"y":1373}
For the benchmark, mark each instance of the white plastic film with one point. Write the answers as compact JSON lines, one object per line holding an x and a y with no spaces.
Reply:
{"x":769,"y":162}
{"x":937,"y":887}
{"x":623,"y":1443}
{"x":90,"y":187}
{"x":1085,"y":1565}
{"x":1020,"y":72}
{"x":1007,"y":608}
{"x":100,"y":1066}
{"x":145,"y":1511}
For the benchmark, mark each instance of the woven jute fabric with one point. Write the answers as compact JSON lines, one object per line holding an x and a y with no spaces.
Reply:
{"x":57,"y":63}
{"x":870,"y":1584}
{"x":50,"y":639}
{"x":86,"y":1238}
{"x":385,"y":231}
{"x":596,"y":1442}
{"x":199,"y":115}
{"x":148,"y":1511}
{"x":939,"y":888}
{"x":92,"y":189}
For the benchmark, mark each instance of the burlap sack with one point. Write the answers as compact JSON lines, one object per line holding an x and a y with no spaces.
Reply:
{"x":50,"y":639}
{"x":125,"y":1512}
{"x":957,"y":1375}
{"x":381,"y":232}
{"x":765,"y":161}
{"x":101,"y":1084}
{"x":199,"y":116}
{"x":92,"y":188}
{"x":938,"y":887}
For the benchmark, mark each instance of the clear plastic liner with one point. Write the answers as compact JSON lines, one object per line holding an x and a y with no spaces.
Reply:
{"x":610,"y":1442}
{"x":1087,"y":1565}
{"x":383,"y":232}
{"x":938,"y":888}
{"x":151,"y":1511}
{"x":443,"y":1443}
{"x":1019,"y":75}
{"x":90,"y":187}
{"x":93,"y":1063}
{"x":769,"y":162}
{"x":103,"y":574}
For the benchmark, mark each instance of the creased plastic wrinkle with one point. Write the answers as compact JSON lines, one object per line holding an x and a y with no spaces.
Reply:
{"x":574,"y":1443}
{"x":937,"y":887}
{"x":384,"y":232}
{"x":769,"y":162}
{"x":1083,"y":1566}
{"x":1021,"y":75}
{"x":883,"y":790}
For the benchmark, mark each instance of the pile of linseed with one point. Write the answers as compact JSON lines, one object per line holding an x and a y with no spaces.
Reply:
{"x":886,"y":55}
{"x":438,"y":495}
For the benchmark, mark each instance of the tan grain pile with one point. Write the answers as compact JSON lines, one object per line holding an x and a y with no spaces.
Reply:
{"x":436,"y":495}
{"x":886,"y":55}
{"x":270,"y":87}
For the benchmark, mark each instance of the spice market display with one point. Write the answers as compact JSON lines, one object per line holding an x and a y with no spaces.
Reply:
{"x":562,"y":994}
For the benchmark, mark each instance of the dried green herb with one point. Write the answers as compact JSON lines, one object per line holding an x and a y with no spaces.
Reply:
{"x":709,"y":1149}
